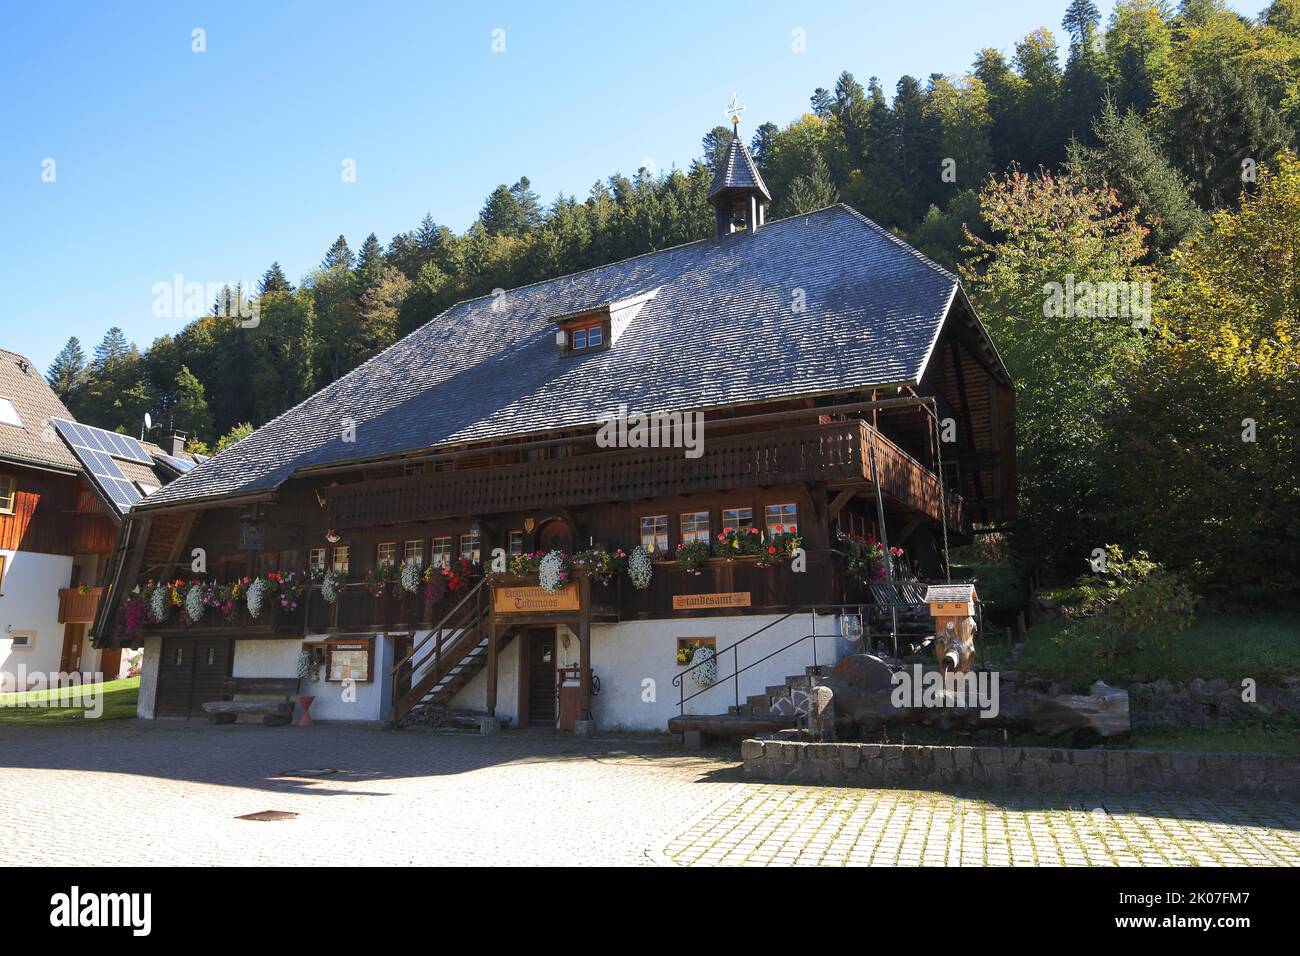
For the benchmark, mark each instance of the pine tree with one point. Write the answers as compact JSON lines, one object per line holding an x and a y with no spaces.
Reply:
{"x":274,"y":280}
{"x":370,"y":264}
{"x":67,"y":373}
{"x":339,"y":255}
{"x":111,"y":350}
{"x":814,"y":190}
{"x":1129,"y":160}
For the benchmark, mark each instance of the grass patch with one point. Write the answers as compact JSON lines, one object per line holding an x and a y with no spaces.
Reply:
{"x":1264,"y":645}
{"x":118,"y":698}
{"x":1244,"y":735}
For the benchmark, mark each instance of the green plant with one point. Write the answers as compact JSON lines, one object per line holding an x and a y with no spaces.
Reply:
{"x":1128,"y":605}
{"x":692,"y":556}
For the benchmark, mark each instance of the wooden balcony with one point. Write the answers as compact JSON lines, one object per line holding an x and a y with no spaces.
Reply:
{"x":274,"y":621}
{"x":839,"y":453}
{"x":357,"y":609}
{"x":77,"y":606}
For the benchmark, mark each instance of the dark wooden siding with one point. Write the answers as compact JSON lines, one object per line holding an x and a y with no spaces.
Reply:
{"x":42,"y":521}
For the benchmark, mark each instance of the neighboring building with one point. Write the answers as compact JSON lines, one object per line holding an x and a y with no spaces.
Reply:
{"x":815,"y":348}
{"x":59,"y":525}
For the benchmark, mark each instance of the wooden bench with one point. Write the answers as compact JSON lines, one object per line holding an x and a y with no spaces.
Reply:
{"x":274,"y":713}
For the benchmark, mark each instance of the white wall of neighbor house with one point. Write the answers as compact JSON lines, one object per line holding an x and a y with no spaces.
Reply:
{"x":362,"y":700}
{"x":627,"y":655}
{"x":29,"y":601}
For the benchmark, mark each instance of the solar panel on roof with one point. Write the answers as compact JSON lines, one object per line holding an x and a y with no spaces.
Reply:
{"x":179,"y":464}
{"x":96,"y":448}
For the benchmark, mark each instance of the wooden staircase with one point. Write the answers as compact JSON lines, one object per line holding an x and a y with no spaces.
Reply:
{"x":442,"y":662}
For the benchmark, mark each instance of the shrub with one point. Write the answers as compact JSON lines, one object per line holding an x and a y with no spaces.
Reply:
{"x":1130,"y":604}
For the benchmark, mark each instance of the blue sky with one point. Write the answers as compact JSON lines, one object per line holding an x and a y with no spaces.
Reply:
{"x":212,"y":165}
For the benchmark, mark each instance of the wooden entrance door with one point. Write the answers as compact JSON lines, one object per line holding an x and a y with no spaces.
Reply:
{"x":191,"y":673}
{"x":74,"y":637}
{"x":541,"y":677}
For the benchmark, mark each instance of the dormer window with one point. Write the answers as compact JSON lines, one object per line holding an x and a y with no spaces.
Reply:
{"x":588,"y":338}
{"x":584,"y":334}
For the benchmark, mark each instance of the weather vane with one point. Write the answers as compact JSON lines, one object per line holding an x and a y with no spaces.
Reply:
{"x":734,"y":110}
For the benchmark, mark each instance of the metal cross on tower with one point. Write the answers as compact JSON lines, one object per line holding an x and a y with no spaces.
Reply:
{"x":734,"y":110}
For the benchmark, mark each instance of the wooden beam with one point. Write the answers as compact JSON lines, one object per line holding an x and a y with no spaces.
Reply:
{"x":584,"y":648}
{"x":492,"y":667}
{"x":843,"y":498}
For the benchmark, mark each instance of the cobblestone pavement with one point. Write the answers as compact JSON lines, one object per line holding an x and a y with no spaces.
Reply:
{"x":363,"y":796}
{"x":778,"y":825}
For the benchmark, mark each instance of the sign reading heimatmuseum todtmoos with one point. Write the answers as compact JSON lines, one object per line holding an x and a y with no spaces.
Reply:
{"x":531,"y":600}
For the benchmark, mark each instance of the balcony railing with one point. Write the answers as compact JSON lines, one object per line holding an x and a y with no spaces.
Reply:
{"x":838,"y":452}
{"x":77,"y":606}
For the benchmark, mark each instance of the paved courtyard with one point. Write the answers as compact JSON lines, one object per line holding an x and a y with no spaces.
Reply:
{"x":172,"y":792}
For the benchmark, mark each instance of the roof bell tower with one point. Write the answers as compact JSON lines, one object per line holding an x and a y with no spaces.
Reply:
{"x":738,"y":193}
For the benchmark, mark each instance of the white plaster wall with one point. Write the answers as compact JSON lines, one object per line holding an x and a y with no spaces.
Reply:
{"x":279,"y":658}
{"x":473,"y":696}
{"x":152,"y":651}
{"x":30,"y":602}
{"x":636,"y":663}
{"x":625,"y":655}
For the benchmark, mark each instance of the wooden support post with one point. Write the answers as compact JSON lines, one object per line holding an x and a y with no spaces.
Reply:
{"x":584,"y":647}
{"x":1020,"y":627}
{"x":492,"y":668}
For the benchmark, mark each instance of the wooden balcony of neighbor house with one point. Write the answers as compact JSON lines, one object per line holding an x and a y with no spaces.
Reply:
{"x":837,"y":453}
{"x":77,"y":605}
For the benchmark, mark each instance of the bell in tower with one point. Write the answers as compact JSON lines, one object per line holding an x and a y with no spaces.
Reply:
{"x":738,"y":193}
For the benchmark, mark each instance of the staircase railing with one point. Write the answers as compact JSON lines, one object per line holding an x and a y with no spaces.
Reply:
{"x":679,"y":681}
{"x":465,"y":617}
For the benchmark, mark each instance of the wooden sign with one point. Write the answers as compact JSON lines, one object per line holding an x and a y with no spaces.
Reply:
{"x":705,"y":602}
{"x":533,"y":600}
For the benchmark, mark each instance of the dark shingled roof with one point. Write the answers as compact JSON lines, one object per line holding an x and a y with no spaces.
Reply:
{"x":723,"y":328}
{"x":36,"y":442}
{"x":737,"y":173}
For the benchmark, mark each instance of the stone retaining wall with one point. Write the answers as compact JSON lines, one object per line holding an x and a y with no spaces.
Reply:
{"x":1041,"y":768}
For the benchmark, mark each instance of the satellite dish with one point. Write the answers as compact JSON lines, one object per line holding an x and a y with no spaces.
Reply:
{"x":148,"y":421}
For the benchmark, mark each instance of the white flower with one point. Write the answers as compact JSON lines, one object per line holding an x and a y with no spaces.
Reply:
{"x":550,"y":573}
{"x":158,"y":603}
{"x":329,"y":588}
{"x":706,"y":673}
{"x":256,"y":592}
{"x":194,"y":603}
{"x":639,"y":568}
{"x":410,"y":578}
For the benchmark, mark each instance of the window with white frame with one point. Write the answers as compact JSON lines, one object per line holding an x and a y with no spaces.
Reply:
{"x":782,"y":518}
{"x":654,"y":533}
{"x":734,"y":518}
{"x":386,"y":554}
{"x":469,"y":546}
{"x":8,"y":414}
{"x":8,"y":494}
{"x":695,"y":527}
{"x":516,"y":542}
{"x":316,"y":559}
{"x":440,"y":552}
{"x":342,"y":559}
{"x":413,"y":552}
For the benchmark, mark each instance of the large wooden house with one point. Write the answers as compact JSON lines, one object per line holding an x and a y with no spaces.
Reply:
{"x":838,"y":377}
{"x":60,"y":512}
